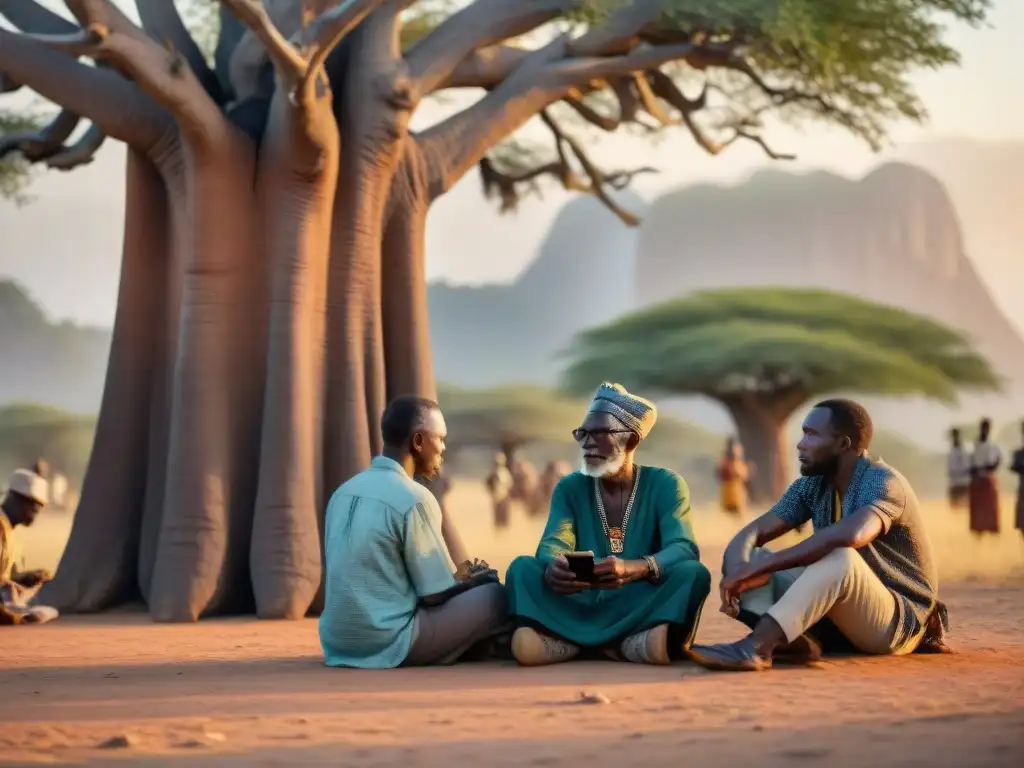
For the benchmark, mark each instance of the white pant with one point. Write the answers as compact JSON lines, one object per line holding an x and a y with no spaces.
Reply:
{"x":840,"y":587}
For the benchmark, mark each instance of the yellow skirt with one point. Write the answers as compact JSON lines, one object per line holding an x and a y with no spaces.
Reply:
{"x":733,"y":495}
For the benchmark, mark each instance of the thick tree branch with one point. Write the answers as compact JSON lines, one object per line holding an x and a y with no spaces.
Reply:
{"x":299,"y":61}
{"x":507,"y":185}
{"x":433,"y":59}
{"x":332,"y":25}
{"x":485,"y":67}
{"x":160,"y":18}
{"x":546,"y":77}
{"x":84,"y":42}
{"x":116,"y":105}
{"x":80,"y":153}
{"x":29,"y":16}
{"x":289,"y":64}
{"x":621,"y":32}
{"x":38,"y":145}
{"x":164,"y":74}
{"x":592,"y":116}
{"x":666,"y":89}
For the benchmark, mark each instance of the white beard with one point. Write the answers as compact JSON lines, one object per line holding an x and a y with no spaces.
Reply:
{"x":606,"y":468}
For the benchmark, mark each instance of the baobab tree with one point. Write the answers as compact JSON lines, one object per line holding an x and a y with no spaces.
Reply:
{"x":272,"y":291}
{"x":763,"y":353}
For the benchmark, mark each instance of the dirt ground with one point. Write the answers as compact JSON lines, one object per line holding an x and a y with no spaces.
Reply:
{"x":118,"y":689}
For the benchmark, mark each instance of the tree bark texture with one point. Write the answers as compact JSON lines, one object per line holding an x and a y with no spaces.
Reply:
{"x":248,"y":369}
{"x":761,"y":426}
{"x":273,"y":293}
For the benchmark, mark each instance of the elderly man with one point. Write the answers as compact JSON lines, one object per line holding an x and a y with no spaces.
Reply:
{"x":392,"y":594}
{"x":26,"y":496}
{"x":649,"y":585}
{"x":867,"y":574}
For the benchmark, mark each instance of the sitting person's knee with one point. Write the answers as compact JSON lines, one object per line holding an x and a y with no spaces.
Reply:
{"x":690,"y":570}
{"x":494,"y":602}
{"x":839,"y":559}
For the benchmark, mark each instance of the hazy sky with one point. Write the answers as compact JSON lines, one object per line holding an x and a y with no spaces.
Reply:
{"x":65,"y":246}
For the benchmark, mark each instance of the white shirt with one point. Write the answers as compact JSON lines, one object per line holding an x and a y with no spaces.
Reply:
{"x":986,"y":454}
{"x":958,"y":467}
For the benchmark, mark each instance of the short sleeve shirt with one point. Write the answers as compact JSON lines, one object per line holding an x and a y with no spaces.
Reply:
{"x":384,"y":552}
{"x":901,"y":556}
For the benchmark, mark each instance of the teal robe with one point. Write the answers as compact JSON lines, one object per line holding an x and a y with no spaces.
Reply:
{"x":659,"y":525}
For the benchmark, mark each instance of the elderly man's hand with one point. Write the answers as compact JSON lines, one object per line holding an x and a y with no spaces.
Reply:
{"x":560,"y":579}
{"x":612,"y":572}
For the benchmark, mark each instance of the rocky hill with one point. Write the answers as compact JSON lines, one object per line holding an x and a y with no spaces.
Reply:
{"x":893,"y":236}
{"x":985,"y":180}
{"x":583,"y":275}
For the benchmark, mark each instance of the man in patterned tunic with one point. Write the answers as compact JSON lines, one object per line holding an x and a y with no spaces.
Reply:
{"x":867,"y":570}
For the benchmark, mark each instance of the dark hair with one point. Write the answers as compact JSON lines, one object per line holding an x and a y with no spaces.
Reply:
{"x":403,"y":416}
{"x":850,"y":420}
{"x":986,"y":423}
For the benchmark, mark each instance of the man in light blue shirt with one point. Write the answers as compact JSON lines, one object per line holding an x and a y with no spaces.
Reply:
{"x":392,"y":596}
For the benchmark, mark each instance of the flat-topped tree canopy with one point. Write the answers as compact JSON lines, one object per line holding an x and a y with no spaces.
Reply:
{"x":509,"y":416}
{"x":764,"y":352}
{"x":273,"y":293}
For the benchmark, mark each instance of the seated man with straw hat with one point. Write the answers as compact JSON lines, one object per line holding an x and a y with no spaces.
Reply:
{"x":643,"y":599}
{"x":26,"y":496}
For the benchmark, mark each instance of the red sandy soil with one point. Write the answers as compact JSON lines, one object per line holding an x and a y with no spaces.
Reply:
{"x":248,"y":693}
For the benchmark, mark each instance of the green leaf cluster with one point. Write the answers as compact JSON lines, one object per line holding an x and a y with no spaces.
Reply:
{"x":725,"y":342}
{"x":15,"y":172}
{"x":852,"y":57}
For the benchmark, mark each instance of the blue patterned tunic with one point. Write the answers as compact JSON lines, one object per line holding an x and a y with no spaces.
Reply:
{"x":901,"y":556}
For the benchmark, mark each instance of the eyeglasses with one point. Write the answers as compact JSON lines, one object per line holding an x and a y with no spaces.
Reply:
{"x":580,"y":434}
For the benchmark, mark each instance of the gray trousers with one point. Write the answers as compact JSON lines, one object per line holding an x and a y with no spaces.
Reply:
{"x":445,"y":632}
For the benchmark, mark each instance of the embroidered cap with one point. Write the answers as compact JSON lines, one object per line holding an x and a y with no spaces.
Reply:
{"x":634,"y":412}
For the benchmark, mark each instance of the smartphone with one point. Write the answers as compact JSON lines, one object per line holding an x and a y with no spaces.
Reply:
{"x":582,"y":565}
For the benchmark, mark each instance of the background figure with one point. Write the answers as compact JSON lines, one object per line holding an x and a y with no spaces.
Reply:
{"x":984,"y":493}
{"x":1017,"y":465}
{"x":538,"y":504}
{"x":733,"y":475}
{"x":499,"y":485}
{"x":958,"y":470}
{"x":553,"y":472}
{"x":525,"y":480}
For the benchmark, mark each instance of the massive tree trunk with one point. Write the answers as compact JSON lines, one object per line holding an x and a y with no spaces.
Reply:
{"x":410,"y":364}
{"x":373,"y":116}
{"x":202,"y":553}
{"x":298,"y":178}
{"x":273,"y":292}
{"x":99,"y":564}
{"x":761,"y":425}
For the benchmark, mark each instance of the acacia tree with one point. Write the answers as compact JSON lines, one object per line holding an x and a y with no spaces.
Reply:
{"x":508,"y":417}
{"x":272,"y":291}
{"x":764,"y":352}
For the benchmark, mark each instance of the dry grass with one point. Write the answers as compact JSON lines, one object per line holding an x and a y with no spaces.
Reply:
{"x":961,"y":555}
